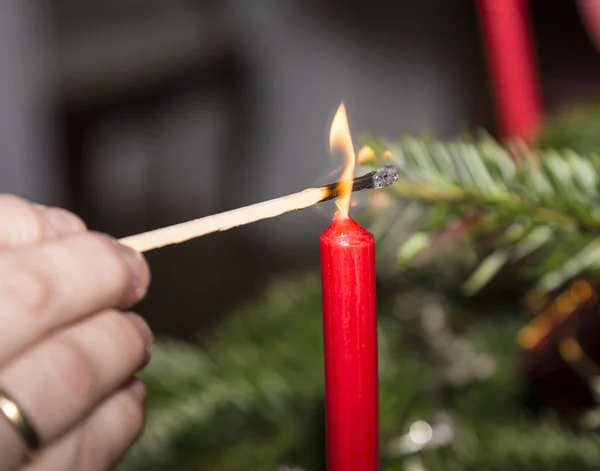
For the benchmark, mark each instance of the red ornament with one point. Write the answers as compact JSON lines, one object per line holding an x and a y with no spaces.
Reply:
{"x":350,"y":337}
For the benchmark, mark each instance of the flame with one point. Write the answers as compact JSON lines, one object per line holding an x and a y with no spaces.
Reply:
{"x":340,"y":140}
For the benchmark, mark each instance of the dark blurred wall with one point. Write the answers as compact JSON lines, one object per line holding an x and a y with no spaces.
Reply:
{"x":568,"y":63}
{"x":28,"y":164}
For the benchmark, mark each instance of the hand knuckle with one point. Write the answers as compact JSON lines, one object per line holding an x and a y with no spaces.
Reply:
{"x":26,"y":290}
{"x":71,"y":371}
{"x":30,"y":224}
{"x":14,"y":201}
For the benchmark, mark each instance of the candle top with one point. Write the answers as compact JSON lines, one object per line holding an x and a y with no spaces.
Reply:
{"x":344,"y":230}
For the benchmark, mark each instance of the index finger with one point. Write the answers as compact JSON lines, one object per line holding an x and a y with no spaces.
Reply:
{"x":49,"y":285}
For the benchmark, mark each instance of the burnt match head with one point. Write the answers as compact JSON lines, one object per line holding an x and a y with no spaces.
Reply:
{"x":384,"y":176}
{"x":380,"y":178}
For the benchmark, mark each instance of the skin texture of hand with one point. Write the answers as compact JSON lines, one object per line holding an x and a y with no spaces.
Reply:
{"x":69,"y":352}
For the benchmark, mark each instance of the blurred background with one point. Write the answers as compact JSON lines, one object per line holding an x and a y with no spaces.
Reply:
{"x":140,"y":114}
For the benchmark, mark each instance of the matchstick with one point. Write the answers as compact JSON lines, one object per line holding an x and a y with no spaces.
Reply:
{"x":184,"y":231}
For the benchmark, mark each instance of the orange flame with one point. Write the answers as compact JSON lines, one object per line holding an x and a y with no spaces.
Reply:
{"x":340,"y":140}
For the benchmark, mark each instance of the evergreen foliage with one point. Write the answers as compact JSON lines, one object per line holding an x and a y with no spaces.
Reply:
{"x":535,"y":210}
{"x":253,"y":397}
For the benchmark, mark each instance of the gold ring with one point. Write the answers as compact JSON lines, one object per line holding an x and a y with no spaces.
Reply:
{"x":19,"y":421}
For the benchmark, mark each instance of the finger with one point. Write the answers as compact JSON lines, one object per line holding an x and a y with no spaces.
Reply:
{"x":62,"y":221}
{"x":60,"y":381}
{"x":103,"y":439}
{"x":48,"y":285}
{"x":23,"y":223}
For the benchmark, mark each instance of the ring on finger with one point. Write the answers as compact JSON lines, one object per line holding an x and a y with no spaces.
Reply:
{"x":19,"y":421}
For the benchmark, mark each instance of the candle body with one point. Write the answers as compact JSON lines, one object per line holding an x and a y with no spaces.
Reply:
{"x":350,"y":341}
{"x":511,"y":62}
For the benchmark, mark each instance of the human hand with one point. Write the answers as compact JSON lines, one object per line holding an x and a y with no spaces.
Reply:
{"x":68,"y":354}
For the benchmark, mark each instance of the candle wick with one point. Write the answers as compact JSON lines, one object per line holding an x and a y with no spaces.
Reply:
{"x":342,"y":212}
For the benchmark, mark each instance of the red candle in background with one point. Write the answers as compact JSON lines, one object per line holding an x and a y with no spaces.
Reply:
{"x":510,"y":59}
{"x":350,"y":329}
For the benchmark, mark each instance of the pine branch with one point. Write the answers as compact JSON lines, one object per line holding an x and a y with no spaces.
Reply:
{"x":545,"y":197}
{"x":508,"y":203}
{"x":548,"y":187}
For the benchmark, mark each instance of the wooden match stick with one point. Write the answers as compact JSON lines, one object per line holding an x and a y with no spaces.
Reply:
{"x":184,"y":231}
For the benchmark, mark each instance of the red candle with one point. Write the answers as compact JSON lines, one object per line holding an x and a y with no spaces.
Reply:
{"x":511,"y":63}
{"x":350,"y":331}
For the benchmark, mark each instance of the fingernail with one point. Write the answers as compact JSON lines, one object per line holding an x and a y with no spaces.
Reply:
{"x":62,"y":221}
{"x":138,"y":389}
{"x":140,"y":273}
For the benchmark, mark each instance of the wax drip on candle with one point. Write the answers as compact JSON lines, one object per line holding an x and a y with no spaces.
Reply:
{"x":340,"y":139}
